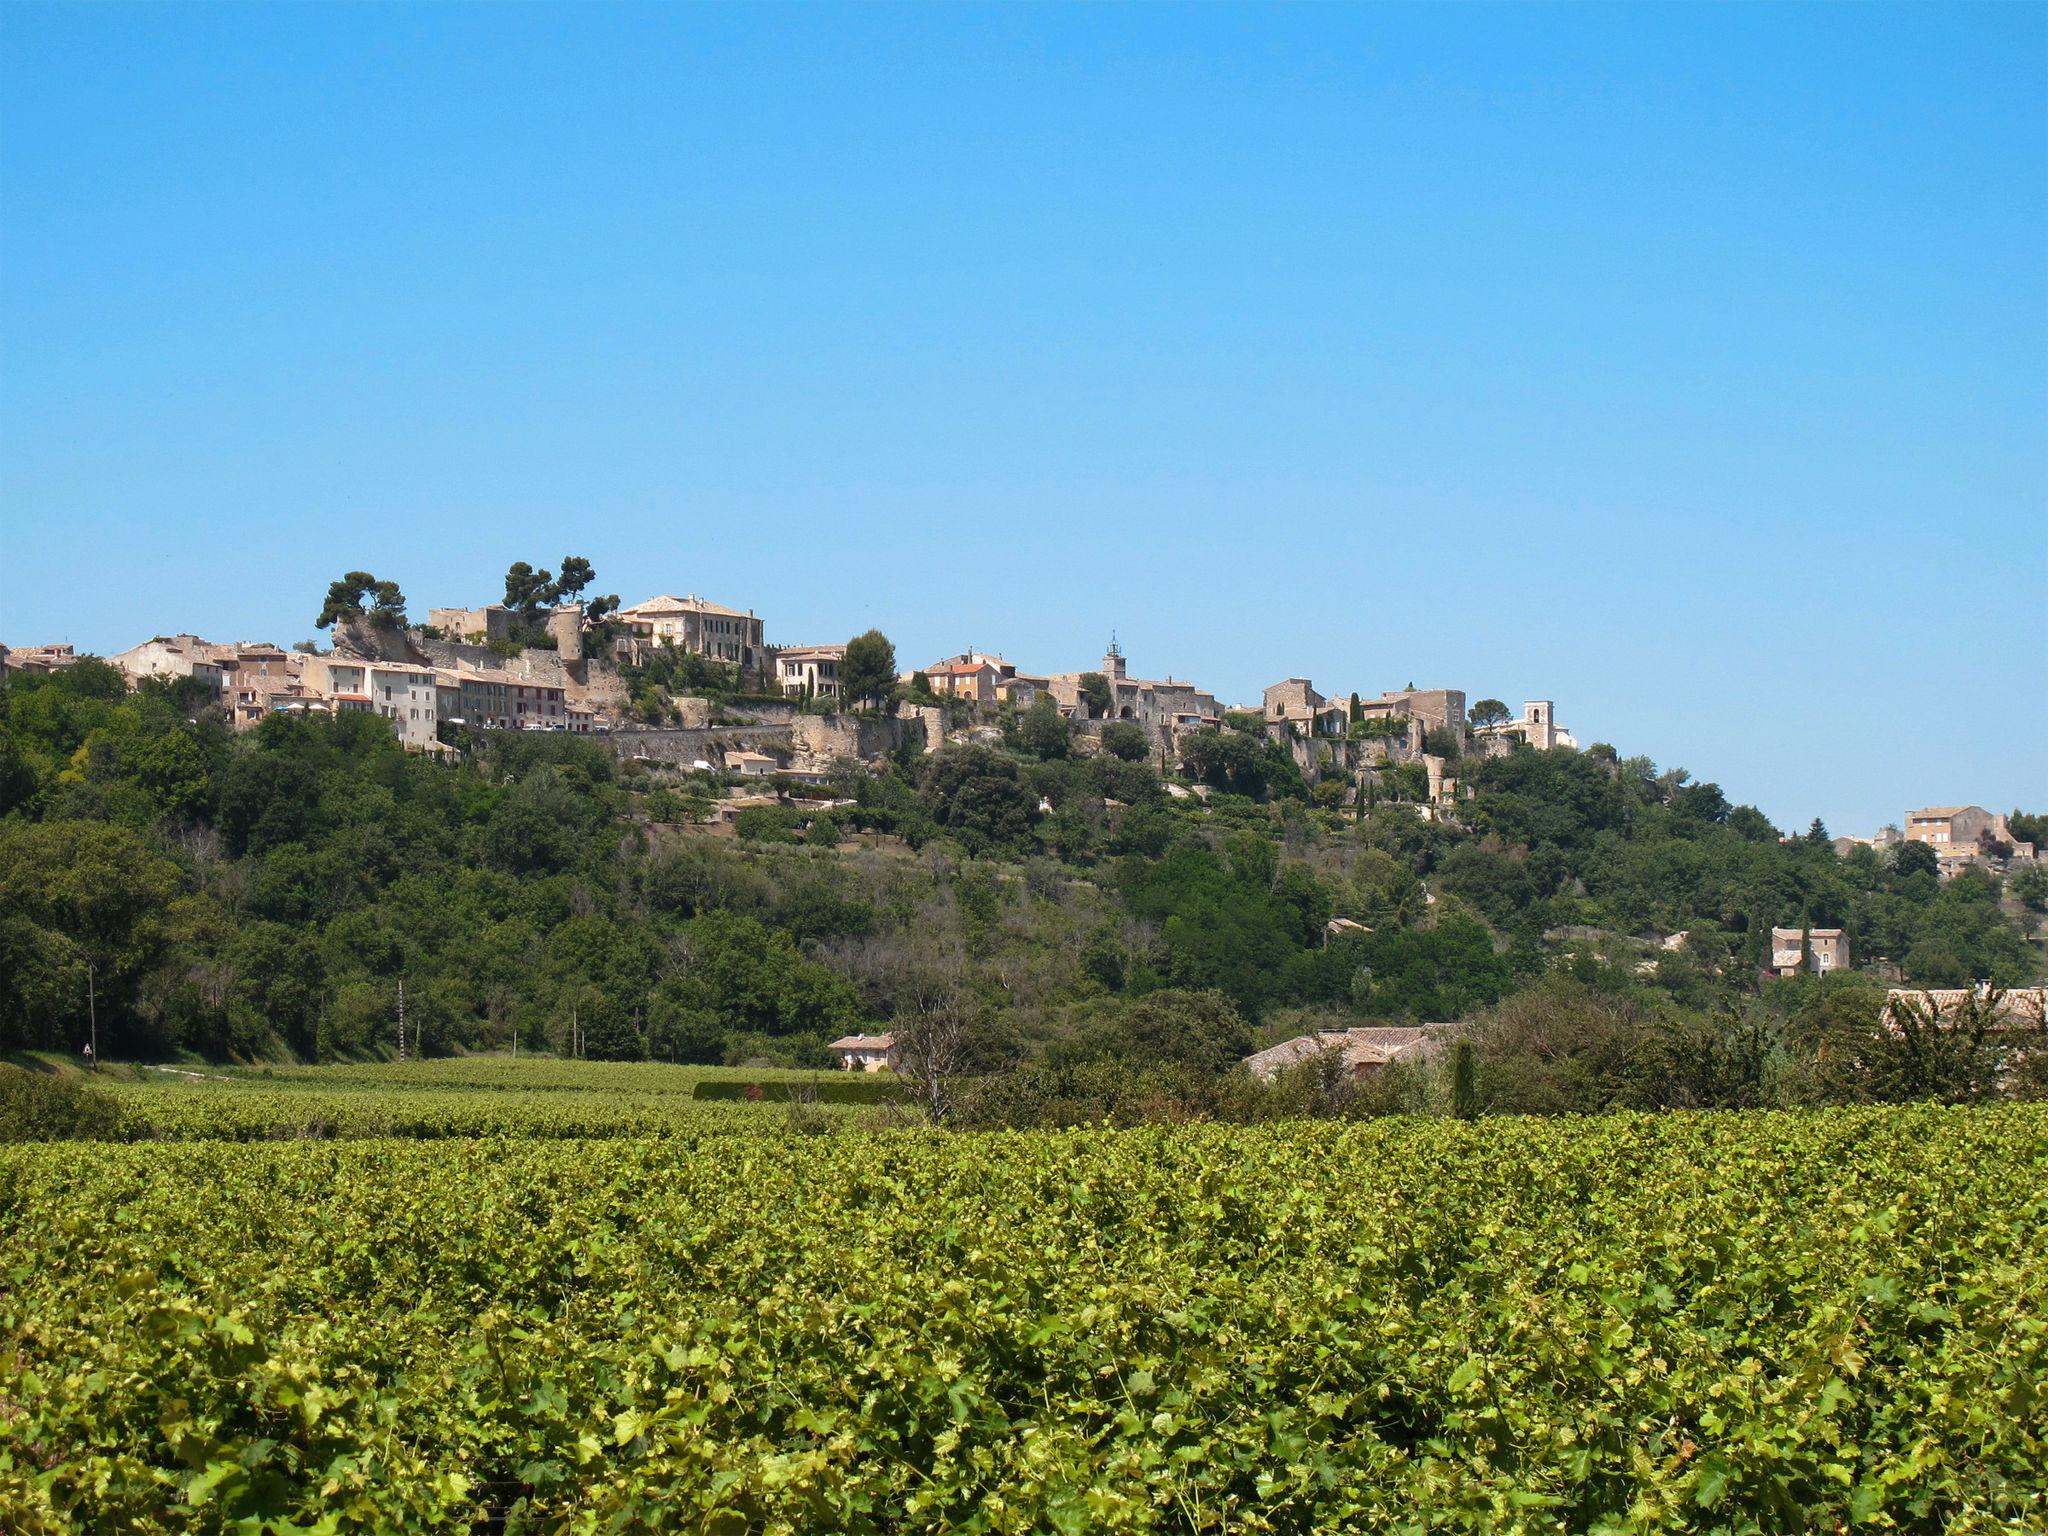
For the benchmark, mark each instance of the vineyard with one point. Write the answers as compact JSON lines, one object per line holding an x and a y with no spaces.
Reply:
{"x":470,"y":1097}
{"x":1767,"y":1322}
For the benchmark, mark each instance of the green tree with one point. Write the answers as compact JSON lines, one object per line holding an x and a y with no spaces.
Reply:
{"x":867,"y":674}
{"x":576,"y":574}
{"x":346,"y":599}
{"x":1044,"y":731}
{"x":1488,"y":712}
{"x":1464,"y":1086}
{"x":1126,"y":739}
{"x":1095,"y":694}
{"x":1913,"y":857}
{"x":528,"y":590}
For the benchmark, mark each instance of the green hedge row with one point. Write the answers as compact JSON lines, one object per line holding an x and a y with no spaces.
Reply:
{"x":839,"y":1088}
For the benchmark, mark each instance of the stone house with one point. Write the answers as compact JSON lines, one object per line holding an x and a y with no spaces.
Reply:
{"x":1165,"y":706}
{"x":1962,"y":835}
{"x":1537,"y":726}
{"x":973,"y":680}
{"x":173,"y":656}
{"x":476,"y":626}
{"x":405,"y":693}
{"x":866,"y":1053}
{"x":1295,"y":703}
{"x":809,"y":671}
{"x":259,"y":680}
{"x":1436,"y":708}
{"x":751,"y":765}
{"x":693,"y":624}
{"x":1819,"y":949}
{"x":35,"y":658}
{"x":480,"y":698}
{"x":1021,"y":689}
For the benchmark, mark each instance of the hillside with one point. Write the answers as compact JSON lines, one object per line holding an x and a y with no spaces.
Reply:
{"x":264,"y":895}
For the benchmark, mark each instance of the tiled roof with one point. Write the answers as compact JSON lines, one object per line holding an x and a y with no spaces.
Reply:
{"x":690,"y":604}
{"x":883,"y":1042}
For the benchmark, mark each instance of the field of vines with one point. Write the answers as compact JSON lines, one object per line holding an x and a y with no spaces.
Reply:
{"x":539,"y":1097}
{"x":1828,"y":1321}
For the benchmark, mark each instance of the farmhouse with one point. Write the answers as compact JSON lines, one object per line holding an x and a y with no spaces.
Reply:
{"x":865,"y":1053}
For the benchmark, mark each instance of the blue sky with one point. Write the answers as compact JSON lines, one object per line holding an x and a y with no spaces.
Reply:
{"x":1688,"y":366}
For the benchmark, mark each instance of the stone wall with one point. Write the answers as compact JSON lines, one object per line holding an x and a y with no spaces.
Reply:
{"x":680,"y":748}
{"x":822,"y":739}
{"x":811,"y":743}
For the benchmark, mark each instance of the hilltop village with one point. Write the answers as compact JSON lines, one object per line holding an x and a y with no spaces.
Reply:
{"x":696,"y":683}
{"x":561,"y":817}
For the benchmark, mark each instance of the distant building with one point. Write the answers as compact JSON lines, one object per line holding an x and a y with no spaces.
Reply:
{"x":809,"y":671}
{"x":259,"y":680}
{"x":1537,"y":726}
{"x":173,"y":656}
{"x":1820,"y":950}
{"x":973,"y":680}
{"x":692,"y":624}
{"x":1021,"y":689}
{"x":405,"y":693}
{"x":751,"y":765}
{"x":1436,"y":708}
{"x":36,"y":658}
{"x":1165,"y":706}
{"x":2018,"y":1007}
{"x":1294,"y":702}
{"x":866,"y":1053}
{"x":1358,"y":1053}
{"x":1962,"y":835}
{"x":476,"y":626}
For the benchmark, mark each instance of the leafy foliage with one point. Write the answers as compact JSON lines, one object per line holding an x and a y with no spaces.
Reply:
{"x":1767,"y":1323}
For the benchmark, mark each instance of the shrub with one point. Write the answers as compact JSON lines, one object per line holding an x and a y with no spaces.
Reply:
{"x":40,"y":1106}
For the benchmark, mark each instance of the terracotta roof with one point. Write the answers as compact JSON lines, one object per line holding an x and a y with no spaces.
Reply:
{"x":690,"y":604}
{"x":883,"y":1042}
{"x":1940,"y":812}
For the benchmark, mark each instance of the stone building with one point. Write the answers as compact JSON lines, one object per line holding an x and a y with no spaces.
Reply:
{"x":1165,"y":706}
{"x":1294,"y":702}
{"x":1963,"y":835}
{"x":173,"y":656}
{"x":35,"y":658}
{"x":405,"y":693}
{"x":1436,"y":708}
{"x":260,"y":680}
{"x":1537,"y":726}
{"x":477,"y":626}
{"x":704,"y":628}
{"x":809,"y":671}
{"x":1820,"y":950}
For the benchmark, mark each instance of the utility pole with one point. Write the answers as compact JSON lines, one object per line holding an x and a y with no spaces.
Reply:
{"x":92,"y":1014}
{"x":401,"y":1018}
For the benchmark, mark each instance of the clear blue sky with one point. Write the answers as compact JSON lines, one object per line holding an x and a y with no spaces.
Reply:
{"x":1687,"y":366}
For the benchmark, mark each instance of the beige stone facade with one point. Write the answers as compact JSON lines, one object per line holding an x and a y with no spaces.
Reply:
{"x":1966,"y":835}
{"x":1819,"y":950}
{"x":809,"y":671}
{"x":1165,"y":706}
{"x":694,"y":624}
{"x":404,"y":693}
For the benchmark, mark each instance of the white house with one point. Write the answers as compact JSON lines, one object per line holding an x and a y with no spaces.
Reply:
{"x":865,"y":1053}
